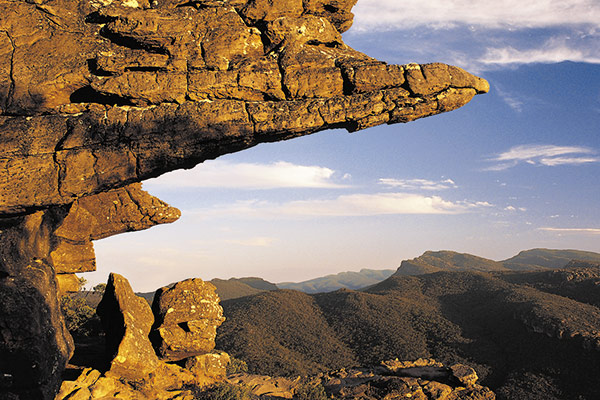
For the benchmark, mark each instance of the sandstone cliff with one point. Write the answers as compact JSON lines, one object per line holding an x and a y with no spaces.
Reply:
{"x":97,"y":95}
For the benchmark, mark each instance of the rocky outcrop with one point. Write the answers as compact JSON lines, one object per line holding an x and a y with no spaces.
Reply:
{"x":34,"y":350}
{"x":135,"y":371}
{"x":98,"y":95}
{"x":558,"y":317}
{"x":187,"y":316}
{"x":34,"y":342}
{"x":420,"y":379}
{"x":127,"y":320}
{"x":103,"y":215}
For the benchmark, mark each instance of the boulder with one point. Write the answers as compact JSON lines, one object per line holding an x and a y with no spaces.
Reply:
{"x":135,"y":371}
{"x":186,"y":319}
{"x":464,"y":374}
{"x":208,"y":367}
{"x":127,"y":320}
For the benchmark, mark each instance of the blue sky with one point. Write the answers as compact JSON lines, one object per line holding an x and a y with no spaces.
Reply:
{"x":514,"y":169}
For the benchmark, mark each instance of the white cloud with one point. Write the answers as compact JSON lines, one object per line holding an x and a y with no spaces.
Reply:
{"x":513,"y":208}
{"x":418,"y":184}
{"x":554,"y":50}
{"x":354,"y":205}
{"x":407,"y":14}
{"x":222,"y":174}
{"x":551,"y":162}
{"x":585,"y":231}
{"x":547,"y":155}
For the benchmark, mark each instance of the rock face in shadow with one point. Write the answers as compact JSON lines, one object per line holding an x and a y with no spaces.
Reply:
{"x":98,"y":95}
{"x":187,"y":317}
{"x":34,"y":342}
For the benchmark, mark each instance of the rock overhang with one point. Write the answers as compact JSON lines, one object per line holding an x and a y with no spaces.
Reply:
{"x":104,"y":94}
{"x":96,"y":96}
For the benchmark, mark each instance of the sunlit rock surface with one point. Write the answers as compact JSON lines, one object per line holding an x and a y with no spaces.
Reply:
{"x":97,"y":95}
{"x":187,"y":317}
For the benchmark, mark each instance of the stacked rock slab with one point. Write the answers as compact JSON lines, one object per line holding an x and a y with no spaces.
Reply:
{"x":96,"y":95}
{"x":187,"y":316}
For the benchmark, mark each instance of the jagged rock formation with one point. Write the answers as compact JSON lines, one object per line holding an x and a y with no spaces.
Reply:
{"x":34,"y":340}
{"x":97,"y":95}
{"x":135,"y":369}
{"x":124,"y":92}
{"x":127,"y":320}
{"x":187,"y":316}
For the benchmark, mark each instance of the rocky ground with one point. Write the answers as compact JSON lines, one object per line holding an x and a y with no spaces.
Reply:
{"x":423,"y":379}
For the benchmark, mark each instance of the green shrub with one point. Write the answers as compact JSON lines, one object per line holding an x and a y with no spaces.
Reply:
{"x":237,"y":366}
{"x":81,"y":319}
{"x":308,"y":391}
{"x":225,"y":391}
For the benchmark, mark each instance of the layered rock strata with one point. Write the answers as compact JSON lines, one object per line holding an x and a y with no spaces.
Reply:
{"x":98,"y":95}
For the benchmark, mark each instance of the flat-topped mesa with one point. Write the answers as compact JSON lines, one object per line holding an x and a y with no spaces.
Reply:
{"x":96,"y":97}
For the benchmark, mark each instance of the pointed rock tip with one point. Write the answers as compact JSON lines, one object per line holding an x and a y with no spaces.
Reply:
{"x":481,"y":85}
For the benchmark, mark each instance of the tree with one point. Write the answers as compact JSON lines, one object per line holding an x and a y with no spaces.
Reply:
{"x":99,"y":288}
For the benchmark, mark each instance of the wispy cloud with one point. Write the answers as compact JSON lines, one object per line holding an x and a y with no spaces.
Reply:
{"x":513,"y":208}
{"x":510,"y":99}
{"x":391,"y":14}
{"x":353,"y":205}
{"x":554,"y":50}
{"x":584,"y":231}
{"x":545,"y":155}
{"x":221,"y":174}
{"x":418,"y":184}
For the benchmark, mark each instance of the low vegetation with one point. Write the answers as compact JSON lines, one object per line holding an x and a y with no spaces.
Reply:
{"x":224,"y":391}
{"x":80,"y":314}
{"x":237,"y":366}
{"x":310,"y":391}
{"x":524,"y":342}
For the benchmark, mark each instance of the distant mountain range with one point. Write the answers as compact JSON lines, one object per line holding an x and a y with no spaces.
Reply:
{"x":232,"y":288}
{"x":429,"y":262}
{"x":531,"y":335}
{"x":528,"y":260}
{"x":437,"y":261}
{"x":348,"y":280}
{"x":548,"y":259}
